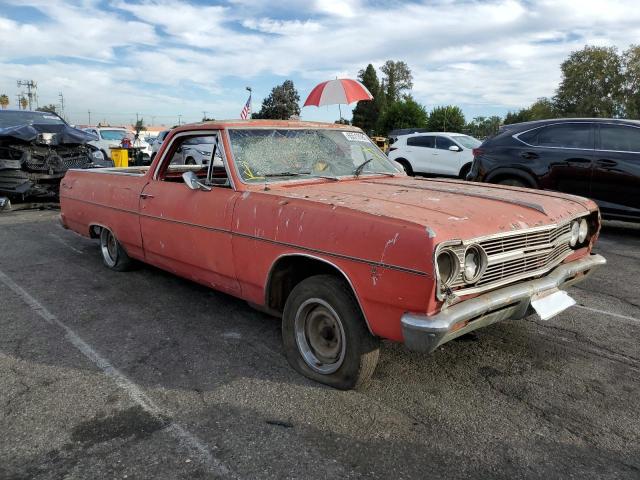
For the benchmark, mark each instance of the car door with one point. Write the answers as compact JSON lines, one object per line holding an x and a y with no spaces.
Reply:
{"x":560,"y":156}
{"x":445,"y":161}
{"x":615,"y":183}
{"x":420,"y":152}
{"x":186,"y":231}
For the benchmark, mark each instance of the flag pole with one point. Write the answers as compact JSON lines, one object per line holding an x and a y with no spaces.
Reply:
{"x":250,"y":91}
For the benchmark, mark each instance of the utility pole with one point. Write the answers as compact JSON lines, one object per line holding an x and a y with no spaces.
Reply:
{"x":204,"y":115}
{"x":179,"y":119}
{"x":89,"y":111}
{"x":61,"y":104}
{"x":32,"y":88}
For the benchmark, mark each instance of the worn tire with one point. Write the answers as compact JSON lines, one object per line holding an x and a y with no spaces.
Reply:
{"x":408,"y":169}
{"x":314,"y":301}
{"x":113,"y":255}
{"x":512,"y":182}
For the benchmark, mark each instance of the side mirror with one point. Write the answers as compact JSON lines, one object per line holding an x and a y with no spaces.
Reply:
{"x":454,"y":148}
{"x":193,"y":182}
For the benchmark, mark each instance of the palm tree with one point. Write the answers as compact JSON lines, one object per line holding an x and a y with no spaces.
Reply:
{"x":4,"y":101}
{"x":24,"y":103}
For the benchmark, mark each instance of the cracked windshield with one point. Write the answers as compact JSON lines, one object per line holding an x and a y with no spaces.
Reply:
{"x":281,"y":154}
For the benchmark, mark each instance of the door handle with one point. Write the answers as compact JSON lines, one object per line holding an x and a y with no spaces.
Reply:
{"x":146,"y":195}
{"x":529,"y":155}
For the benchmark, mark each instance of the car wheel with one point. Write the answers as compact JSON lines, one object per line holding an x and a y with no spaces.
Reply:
{"x":324,"y":334}
{"x":512,"y":182}
{"x":153,"y":155}
{"x":113,"y":255}
{"x":464,"y":171}
{"x":407,"y":166}
{"x":190,"y":161}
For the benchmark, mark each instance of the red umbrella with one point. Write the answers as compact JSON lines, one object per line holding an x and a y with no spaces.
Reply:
{"x":342,"y":90}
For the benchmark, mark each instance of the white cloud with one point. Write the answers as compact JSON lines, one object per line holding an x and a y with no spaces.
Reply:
{"x":499,"y":53}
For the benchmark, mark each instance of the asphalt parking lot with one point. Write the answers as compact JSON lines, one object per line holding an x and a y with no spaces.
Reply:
{"x":145,"y":375}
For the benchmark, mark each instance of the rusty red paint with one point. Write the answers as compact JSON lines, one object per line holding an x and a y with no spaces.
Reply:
{"x":381,"y":232}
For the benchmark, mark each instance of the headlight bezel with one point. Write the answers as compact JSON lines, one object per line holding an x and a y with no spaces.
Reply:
{"x":455,"y":266}
{"x":482,"y":262}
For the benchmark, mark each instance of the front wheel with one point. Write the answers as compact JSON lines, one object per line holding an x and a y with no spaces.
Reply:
{"x":325,"y":336}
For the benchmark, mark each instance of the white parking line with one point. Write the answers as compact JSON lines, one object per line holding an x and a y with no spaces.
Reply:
{"x":64,"y":242}
{"x":604,"y":312}
{"x":184,"y":437}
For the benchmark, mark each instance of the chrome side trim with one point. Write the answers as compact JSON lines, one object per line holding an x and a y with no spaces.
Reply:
{"x":346,"y":277}
{"x":262,"y":239}
{"x":425,"y":333}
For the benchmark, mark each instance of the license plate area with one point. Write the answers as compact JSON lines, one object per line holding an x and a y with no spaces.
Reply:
{"x":550,"y":303}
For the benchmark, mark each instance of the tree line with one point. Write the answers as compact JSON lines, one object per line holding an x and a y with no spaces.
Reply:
{"x":595,"y":82}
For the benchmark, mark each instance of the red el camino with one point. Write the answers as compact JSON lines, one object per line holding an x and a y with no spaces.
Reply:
{"x":313,"y":223}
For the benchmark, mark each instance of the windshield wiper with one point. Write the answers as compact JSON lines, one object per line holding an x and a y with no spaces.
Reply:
{"x":299,"y":174}
{"x":283,"y":174}
{"x":360,"y":167}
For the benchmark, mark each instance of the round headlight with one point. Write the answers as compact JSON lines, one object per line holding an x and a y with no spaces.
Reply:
{"x":583,"y":231}
{"x":474,"y":263}
{"x":575,"y":232}
{"x":448,"y":266}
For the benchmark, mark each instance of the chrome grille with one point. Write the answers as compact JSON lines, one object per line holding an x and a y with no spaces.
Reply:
{"x":516,"y":255}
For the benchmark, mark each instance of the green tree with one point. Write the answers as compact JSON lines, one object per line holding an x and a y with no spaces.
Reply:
{"x":448,"y":118}
{"x":592,"y":83}
{"x":4,"y":101}
{"x":542,"y":109}
{"x":47,"y":108}
{"x":631,"y":61}
{"x":139,"y":126}
{"x":24,"y":103}
{"x":398,"y":80}
{"x":406,"y":113}
{"x":366,"y":113}
{"x":281,"y":104}
{"x":483,"y":127}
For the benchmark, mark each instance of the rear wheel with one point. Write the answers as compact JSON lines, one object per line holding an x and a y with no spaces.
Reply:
{"x":113,"y":255}
{"x":512,"y":182}
{"x":190,"y":161}
{"x":407,"y":166}
{"x":324,"y":334}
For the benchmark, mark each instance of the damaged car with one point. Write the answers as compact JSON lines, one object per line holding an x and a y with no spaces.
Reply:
{"x":37,"y":149}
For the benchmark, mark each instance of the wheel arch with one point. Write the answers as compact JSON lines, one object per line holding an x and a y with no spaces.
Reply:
{"x":501,"y":173}
{"x":280,"y":282}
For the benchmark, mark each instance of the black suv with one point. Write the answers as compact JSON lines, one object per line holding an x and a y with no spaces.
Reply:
{"x":592,"y":157}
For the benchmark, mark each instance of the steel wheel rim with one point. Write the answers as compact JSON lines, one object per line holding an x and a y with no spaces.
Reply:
{"x":109,"y":246}
{"x":320,"y":336}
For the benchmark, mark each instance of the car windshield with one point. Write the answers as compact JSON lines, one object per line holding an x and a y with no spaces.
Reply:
{"x":286,"y":153}
{"x":114,"y":134}
{"x":12,"y":119}
{"x":467,"y":141}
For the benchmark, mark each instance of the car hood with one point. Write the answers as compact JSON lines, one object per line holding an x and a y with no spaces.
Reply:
{"x":447,"y":209}
{"x":29,"y":133}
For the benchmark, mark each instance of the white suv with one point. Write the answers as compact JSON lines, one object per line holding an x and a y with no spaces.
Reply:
{"x":434,"y":153}
{"x":112,"y":137}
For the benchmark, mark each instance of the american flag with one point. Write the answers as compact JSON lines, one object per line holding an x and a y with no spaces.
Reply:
{"x":246,"y":111}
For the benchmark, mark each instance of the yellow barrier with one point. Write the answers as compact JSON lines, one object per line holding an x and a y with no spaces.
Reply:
{"x":120,"y":157}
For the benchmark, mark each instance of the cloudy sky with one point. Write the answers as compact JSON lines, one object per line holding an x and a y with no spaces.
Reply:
{"x":164,"y":58}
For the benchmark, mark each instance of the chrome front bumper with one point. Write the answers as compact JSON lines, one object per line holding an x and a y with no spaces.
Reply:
{"x":424,"y":333}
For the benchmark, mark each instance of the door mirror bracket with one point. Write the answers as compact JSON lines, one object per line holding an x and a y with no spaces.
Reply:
{"x":193,"y":182}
